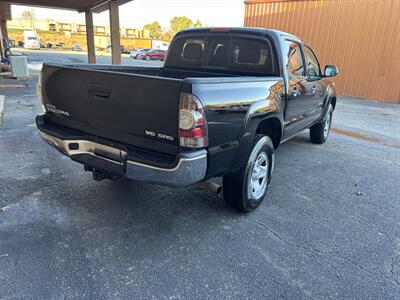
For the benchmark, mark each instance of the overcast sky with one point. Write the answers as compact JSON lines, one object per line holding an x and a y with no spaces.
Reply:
{"x":139,"y":12}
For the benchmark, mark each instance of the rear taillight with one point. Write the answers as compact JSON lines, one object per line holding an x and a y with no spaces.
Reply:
{"x":192,"y":122}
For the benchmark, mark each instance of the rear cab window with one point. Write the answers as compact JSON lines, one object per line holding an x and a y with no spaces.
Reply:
{"x":216,"y":52}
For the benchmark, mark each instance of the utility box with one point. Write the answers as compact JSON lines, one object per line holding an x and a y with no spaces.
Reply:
{"x":19,"y":66}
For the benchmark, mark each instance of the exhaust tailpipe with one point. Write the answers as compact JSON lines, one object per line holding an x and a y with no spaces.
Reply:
{"x":211,"y":186}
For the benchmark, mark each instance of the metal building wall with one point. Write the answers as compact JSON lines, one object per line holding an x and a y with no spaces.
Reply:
{"x":362,"y":37}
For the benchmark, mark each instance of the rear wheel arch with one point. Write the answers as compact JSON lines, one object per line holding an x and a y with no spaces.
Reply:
{"x":268,"y":125}
{"x":271,"y":127}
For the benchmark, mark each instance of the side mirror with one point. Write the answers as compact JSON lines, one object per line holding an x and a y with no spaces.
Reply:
{"x":331,"y":71}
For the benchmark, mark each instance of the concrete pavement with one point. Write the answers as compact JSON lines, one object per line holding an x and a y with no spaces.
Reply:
{"x":2,"y":98}
{"x":329,"y":228}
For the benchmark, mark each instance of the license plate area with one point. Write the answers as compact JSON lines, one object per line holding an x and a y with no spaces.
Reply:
{"x":100,"y":163}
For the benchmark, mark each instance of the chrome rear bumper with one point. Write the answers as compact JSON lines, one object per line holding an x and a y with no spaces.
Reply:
{"x":190,"y":168}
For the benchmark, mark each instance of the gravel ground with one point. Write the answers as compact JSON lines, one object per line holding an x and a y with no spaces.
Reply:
{"x":329,"y":227}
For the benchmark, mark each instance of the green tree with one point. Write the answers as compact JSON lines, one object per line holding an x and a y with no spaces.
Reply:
{"x":166,"y":35}
{"x":155,"y":29}
{"x":27,"y":15}
{"x":180,"y":23}
{"x":197,"y":24}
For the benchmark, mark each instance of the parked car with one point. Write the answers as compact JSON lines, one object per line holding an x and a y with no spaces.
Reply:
{"x":122,"y":48}
{"x":59,"y":45}
{"x":76,"y":47}
{"x":125,"y":51}
{"x":153,"y":54}
{"x":220,"y":106}
{"x":135,"y":53}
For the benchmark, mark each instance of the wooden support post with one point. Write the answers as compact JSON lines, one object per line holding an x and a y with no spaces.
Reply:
{"x":115,"y":35}
{"x":2,"y":49}
{"x":90,"y":37}
{"x":3,"y":28}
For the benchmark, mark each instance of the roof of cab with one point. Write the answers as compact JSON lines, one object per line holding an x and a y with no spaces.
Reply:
{"x":247,"y":30}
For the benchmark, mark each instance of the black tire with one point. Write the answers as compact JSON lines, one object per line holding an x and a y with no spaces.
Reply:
{"x":319,"y":132}
{"x":236,"y":186}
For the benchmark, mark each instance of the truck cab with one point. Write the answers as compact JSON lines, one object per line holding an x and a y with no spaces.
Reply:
{"x":31,"y":40}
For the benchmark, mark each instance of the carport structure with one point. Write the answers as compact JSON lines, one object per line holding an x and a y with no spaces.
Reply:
{"x":88,"y":7}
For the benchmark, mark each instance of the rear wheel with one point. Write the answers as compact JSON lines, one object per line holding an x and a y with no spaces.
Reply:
{"x":246,"y":189}
{"x":319,"y":132}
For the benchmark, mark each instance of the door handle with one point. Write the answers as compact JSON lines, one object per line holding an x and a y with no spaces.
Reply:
{"x":101,"y":91}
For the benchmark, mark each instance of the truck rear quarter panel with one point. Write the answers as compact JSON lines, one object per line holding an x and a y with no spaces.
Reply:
{"x":234,"y":109}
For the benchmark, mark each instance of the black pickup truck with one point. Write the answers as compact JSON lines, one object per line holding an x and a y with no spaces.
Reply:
{"x":219,"y":107}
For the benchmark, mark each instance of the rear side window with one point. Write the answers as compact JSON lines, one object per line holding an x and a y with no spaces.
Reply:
{"x":187,"y":52}
{"x":295,"y":65}
{"x":252,"y":54}
{"x":218,"y":52}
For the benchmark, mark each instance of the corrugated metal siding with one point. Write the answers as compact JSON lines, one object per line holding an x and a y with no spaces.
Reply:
{"x":362,"y":37}
{"x":19,"y":66}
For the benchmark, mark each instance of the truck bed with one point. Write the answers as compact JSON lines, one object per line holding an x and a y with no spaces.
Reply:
{"x":119,"y":103}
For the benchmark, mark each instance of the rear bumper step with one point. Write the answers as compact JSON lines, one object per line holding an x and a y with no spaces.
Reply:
{"x":190,"y":168}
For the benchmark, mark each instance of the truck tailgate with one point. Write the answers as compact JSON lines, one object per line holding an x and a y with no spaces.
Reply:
{"x":138,"y":110}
